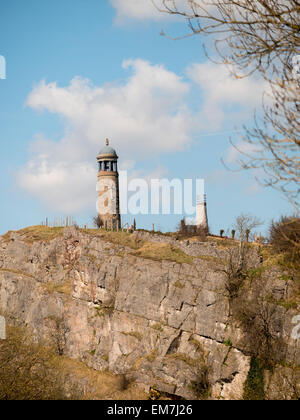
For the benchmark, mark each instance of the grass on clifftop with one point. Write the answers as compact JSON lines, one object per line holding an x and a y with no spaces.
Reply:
{"x":117,"y":238}
{"x":36,"y":233}
{"x":150,"y":250}
{"x":158,"y":252}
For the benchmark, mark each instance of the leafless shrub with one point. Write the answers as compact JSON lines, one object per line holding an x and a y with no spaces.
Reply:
{"x":28,"y":371}
{"x":262,"y":327}
{"x":59,"y":334}
{"x":237,"y":257}
{"x":285,"y":237}
{"x":98,"y":222}
{"x":187,"y":231}
{"x":244,"y":225}
{"x":201,"y":386}
{"x":234,"y":269}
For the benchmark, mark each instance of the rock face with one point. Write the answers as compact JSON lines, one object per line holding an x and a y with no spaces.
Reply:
{"x":159,"y":322}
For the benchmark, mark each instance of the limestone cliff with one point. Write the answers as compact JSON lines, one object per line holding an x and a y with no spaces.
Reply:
{"x":148,"y":306}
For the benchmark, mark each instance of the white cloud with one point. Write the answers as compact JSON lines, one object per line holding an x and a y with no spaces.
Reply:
{"x":135,"y":9}
{"x":63,"y":187}
{"x":143,"y":117}
{"x":222,"y":177}
{"x":146,"y":115}
{"x":143,"y":10}
{"x":238,"y":153}
{"x":242,"y":150}
{"x":254,"y":188}
{"x":224,"y":95}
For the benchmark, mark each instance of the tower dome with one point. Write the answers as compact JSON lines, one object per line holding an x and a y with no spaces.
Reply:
{"x":107,"y":150}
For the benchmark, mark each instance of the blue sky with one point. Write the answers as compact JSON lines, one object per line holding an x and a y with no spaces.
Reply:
{"x":79,"y":71}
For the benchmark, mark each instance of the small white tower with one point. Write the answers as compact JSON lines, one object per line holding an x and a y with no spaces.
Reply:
{"x":201,"y":213}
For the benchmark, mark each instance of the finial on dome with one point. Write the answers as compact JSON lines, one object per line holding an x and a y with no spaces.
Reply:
{"x":107,"y":142}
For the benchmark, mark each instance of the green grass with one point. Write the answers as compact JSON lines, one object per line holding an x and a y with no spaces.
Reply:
{"x":228,"y":343}
{"x":254,"y":384}
{"x":289,"y":305}
{"x":255,"y":273}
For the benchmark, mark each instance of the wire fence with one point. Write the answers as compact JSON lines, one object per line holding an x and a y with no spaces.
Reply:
{"x":69,"y":221}
{"x":64,"y":221}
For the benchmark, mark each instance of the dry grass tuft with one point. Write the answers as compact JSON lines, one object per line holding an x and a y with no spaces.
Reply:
{"x":17,"y":272}
{"x":184,"y":358}
{"x":159,"y":252}
{"x":37,"y":233}
{"x":116,"y":238}
{"x":64,"y":288}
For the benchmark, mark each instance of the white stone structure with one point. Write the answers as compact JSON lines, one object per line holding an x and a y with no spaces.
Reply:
{"x":201,"y":213}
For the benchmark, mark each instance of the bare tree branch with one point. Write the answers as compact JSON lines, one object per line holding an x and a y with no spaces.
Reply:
{"x":258,"y":36}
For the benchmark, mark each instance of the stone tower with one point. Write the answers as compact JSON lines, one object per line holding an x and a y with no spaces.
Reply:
{"x":201,"y":213}
{"x":108,"y":188}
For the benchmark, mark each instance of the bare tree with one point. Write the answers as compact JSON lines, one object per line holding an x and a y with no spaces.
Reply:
{"x":276,"y":139}
{"x":98,"y":222}
{"x":262,"y":325}
{"x":237,"y":257}
{"x":252,"y":34}
{"x":285,"y":237}
{"x":244,"y":224}
{"x":258,"y":36}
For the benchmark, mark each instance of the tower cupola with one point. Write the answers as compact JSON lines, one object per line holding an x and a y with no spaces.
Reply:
{"x":107,"y":159}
